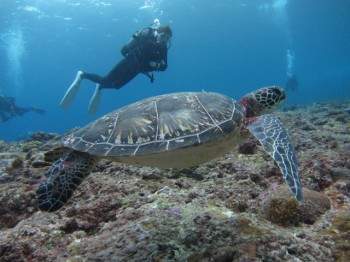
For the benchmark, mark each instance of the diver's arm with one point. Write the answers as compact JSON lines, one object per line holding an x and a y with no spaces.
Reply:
{"x":163,"y":63}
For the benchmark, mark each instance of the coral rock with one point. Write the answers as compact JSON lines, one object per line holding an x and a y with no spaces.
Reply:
{"x":282,"y":208}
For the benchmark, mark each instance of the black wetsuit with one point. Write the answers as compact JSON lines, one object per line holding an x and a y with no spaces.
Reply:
{"x":9,"y":109}
{"x":292,"y":82}
{"x":141,"y":49}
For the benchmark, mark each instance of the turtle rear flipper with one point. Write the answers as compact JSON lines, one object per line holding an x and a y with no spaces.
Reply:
{"x":65,"y":175}
{"x":272,"y":135}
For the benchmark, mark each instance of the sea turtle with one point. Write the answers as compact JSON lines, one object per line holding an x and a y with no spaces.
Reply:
{"x":173,"y":130}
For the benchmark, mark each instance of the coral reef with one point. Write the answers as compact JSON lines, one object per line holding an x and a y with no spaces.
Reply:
{"x":281,"y":208}
{"x":17,"y":163}
{"x":27,"y":146}
{"x":339,"y":232}
{"x":234,"y":208}
{"x":283,"y":211}
{"x":41,"y":137}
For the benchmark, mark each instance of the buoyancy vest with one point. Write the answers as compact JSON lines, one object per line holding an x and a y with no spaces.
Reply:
{"x":139,"y":41}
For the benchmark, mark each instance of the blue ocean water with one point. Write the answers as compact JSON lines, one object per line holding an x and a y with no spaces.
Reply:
{"x":226,"y":46}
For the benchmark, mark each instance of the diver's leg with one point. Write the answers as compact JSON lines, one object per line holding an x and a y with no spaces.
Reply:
{"x":72,"y":91}
{"x":95,"y":78}
{"x":111,"y":80}
{"x":4,"y":117}
{"x":118,"y":77}
{"x":121,"y":74}
{"x":37,"y":110}
{"x":20,"y":110}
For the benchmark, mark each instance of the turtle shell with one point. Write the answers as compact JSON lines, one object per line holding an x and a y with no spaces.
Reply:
{"x":158,"y":124}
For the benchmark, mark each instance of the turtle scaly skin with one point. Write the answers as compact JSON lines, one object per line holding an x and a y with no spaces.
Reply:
{"x":174,"y":130}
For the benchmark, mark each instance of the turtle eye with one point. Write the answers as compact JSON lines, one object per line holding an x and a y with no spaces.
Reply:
{"x":283,"y":96}
{"x":278,"y":94}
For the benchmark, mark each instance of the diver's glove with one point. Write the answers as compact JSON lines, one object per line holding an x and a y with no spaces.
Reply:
{"x":156,"y":65}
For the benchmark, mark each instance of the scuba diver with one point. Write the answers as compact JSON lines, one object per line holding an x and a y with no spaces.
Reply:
{"x":292,"y":82}
{"x":9,"y":109}
{"x":145,"y":52}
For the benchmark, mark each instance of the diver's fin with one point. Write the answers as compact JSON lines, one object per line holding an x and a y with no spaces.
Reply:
{"x":72,"y":91}
{"x":95,"y":101}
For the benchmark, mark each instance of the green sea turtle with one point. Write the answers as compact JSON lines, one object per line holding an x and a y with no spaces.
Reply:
{"x":173,"y":130}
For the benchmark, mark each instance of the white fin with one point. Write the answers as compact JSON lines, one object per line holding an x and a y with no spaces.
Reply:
{"x":95,"y":101}
{"x":72,"y":91}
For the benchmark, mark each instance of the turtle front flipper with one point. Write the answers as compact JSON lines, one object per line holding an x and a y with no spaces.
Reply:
{"x":65,"y":176}
{"x":274,"y":139}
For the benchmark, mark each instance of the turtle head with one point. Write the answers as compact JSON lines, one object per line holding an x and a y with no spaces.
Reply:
{"x":263,"y":101}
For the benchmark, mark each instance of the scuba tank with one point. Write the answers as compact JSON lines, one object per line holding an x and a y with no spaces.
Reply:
{"x":135,"y":41}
